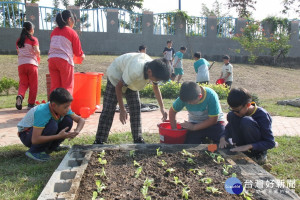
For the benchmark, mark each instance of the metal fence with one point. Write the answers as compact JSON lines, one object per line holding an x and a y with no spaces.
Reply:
{"x":130,"y":22}
{"x":93,"y":20}
{"x":164,"y":24}
{"x":197,"y":26}
{"x":47,"y":17}
{"x":226,"y":27}
{"x":12,"y":14}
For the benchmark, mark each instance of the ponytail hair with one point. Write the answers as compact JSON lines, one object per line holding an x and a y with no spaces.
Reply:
{"x":62,"y":18}
{"x":27,"y":26}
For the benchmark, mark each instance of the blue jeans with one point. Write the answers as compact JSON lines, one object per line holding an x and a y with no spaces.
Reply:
{"x":52,"y":128}
{"x":213,"y":132}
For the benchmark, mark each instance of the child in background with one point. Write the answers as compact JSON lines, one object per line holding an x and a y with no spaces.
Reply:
{"x":227,"y":71}
{"x":142,"y":49}
{"x":169,"y":53}
{"x":64,"y":45}
{"x":178,"y":67}
{"x":28,"y":60}
{"x":45,"y":126}
{"x":249,"y":127}
{"x":128,"y":74}
{"x":205,"y":113}
{"x":201,"y":68}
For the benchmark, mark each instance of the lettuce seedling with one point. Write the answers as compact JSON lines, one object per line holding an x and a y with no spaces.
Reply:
{"x":206,"y":180}
{"x":102,"y":154}
{"x":132,"y":153}
{"x":95,"y":195}
{"x":102,"y":161}
{"x":162,"y":163}
{"x":191,"y":161}
{"x":186,"y":153}
{"x":148,"y":182}
{"x":233,"y":175}
{"x":138,"y":171}
{"x":185,"y":192}
{"x":226,"y":169}
{"x":219,"y":159}
{"x":213,"y":190}
{"x":199,"y":172}
{"x":136,"y":164}
{"x":247,"y":195}
{"x":177,"y":181}
{"x":212,"y":155}
{"x":158,"y":152}
{"x":100,"y":186}
{"x":170,"y":170}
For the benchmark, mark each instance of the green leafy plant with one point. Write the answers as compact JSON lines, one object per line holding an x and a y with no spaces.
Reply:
{"x":138,"y":171}
{"x":95,"y":195}
{"x":102,"y":161}
{"x":185,"y":192}
{"x":144,"y":191}
{"x":149,"y":182}
{"x":199,"y":172}
{"x":132,"y":153}
{"x":6,"y":84}
{"x":177,"y":181}
{"x":212,"y":155}
{"x":102,"y":154}
{"x":233,"y":175}
{"x":213,"y":190}
{"x":219,"y":159}
{"x":246,"y":195}
{"x":206,"y":180}
{"x":102,"y":174}
{"x":186,"y":153}
{"x":190,"y":161}
{"x":170,"y":170}
{"x":158,"y":152}
{"x":226,"y":169}
{"x":136,"y":164}
{"x":100,"y":186}
{"x":162,"y":163}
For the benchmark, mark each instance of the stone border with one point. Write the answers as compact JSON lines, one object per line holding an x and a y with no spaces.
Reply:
{"x":64,"y":182}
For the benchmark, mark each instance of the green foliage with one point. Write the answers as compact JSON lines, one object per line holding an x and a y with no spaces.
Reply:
{"x":6,"y":84}
{"x":255,"y":99}
{"x":171,"y":89}
{"x":242,"y":7}
{"x":170,"y":170}
{"x":282,"y":25}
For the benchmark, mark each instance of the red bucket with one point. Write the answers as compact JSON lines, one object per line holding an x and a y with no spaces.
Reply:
{"x":171,"y":136}
{"x":220,"y":81}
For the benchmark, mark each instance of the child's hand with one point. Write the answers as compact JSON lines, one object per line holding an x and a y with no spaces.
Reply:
{"x":223,"y":143}
{"x":242,"y":148}
{"x":187,"y":125}
{"x":123,"y":116}
{"x":73,"y":134}
{"x":63,"y":134}
{"x":164,"y":114}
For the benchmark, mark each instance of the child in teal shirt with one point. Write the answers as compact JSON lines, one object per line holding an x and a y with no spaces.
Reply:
{"x":178,"y":70}
{"x":201,"y":68}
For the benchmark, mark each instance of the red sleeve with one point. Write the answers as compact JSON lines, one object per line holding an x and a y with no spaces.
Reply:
{"x":35,"y":42}
{"x":76,"y":45}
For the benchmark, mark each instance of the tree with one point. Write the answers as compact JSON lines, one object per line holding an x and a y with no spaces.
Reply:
{"x":242,"y":7}
{"x":216,"y":11}
{"x":291,"y":5}
{"x":123,"y":4}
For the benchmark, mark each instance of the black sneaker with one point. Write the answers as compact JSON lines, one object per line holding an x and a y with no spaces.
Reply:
{"x":19,"y":100}
{"x":260,"y":157}
{"x":139,"y":141}
{"x":97,"y":141}
{"x":29,"y":106}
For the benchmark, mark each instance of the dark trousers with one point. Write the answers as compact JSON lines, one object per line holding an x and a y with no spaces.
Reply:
{"x":213,"y":132}
{"x":109,"y":107}
{"x":52,"y":128}
{"x":228,"y":84}
{"x":243,"y":130}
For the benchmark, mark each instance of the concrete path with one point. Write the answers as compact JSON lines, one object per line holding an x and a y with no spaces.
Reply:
{"x":10,"y":117}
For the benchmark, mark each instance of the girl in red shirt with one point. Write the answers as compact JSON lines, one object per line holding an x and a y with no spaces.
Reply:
{"x":28,"y":60}
{"x":64,"y":45}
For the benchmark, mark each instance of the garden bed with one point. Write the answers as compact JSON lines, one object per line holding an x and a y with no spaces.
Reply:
{"x":121,"y":181}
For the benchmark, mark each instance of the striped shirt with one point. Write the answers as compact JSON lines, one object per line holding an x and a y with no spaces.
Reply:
{"x":26,"y":54}
{"x":65,"y":44}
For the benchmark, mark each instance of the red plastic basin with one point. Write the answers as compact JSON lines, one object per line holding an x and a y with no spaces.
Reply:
{"x":171,"y":136}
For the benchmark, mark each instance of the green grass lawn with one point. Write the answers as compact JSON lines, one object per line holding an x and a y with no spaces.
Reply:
{"x":22,"y":178}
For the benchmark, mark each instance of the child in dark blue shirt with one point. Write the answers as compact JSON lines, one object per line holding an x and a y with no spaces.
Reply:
{"x":249,"y":127}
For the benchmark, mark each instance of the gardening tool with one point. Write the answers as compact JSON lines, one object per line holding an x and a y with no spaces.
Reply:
{"x":211,"y":65}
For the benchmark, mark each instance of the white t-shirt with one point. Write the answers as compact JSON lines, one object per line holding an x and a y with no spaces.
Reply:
{"x":227,"y":69}
{"x":130,"y":68}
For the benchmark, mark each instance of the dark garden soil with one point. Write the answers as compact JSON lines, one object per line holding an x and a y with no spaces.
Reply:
{"x":122,"y":184}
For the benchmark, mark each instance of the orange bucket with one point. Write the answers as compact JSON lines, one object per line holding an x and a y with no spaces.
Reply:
{"x":85,"y":91}
{"x":99,"y":83}
{"x":171,"y":136}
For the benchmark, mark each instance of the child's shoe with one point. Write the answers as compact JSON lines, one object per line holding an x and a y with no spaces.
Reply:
{"x":97,"y":141}
{"x":19,"y":100}
{"x":139,"y":141}
{"x":40,"y":156}
{"x":29,"y":106}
